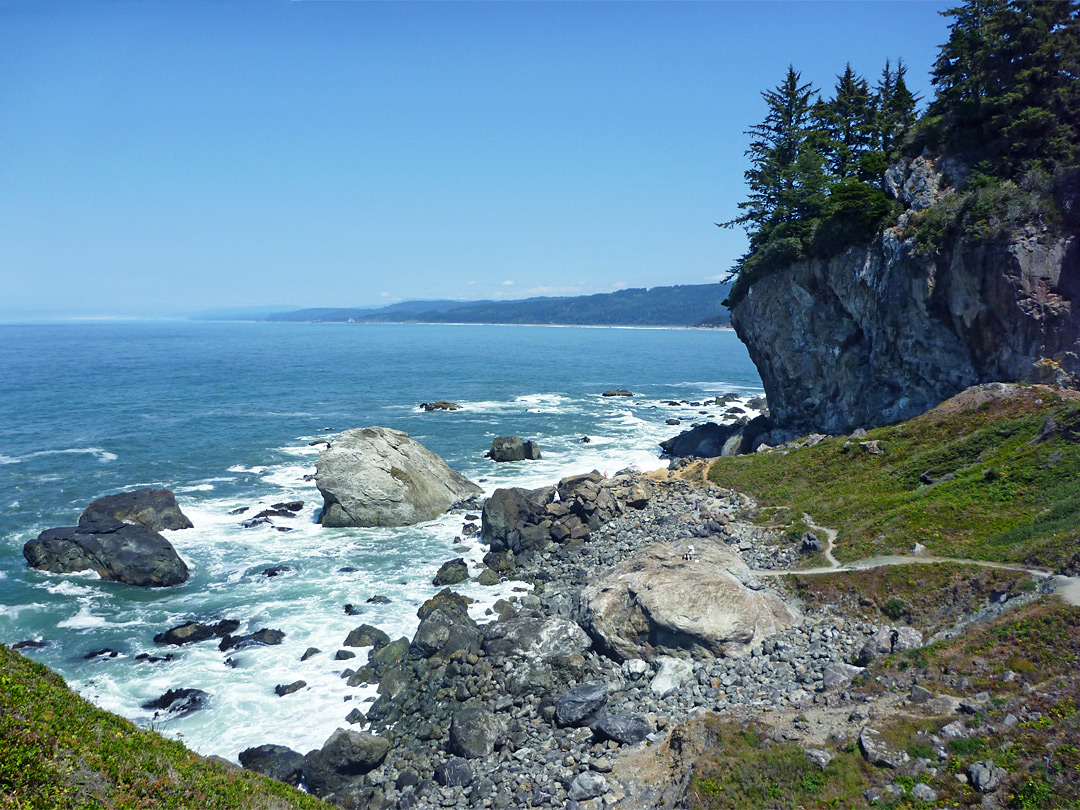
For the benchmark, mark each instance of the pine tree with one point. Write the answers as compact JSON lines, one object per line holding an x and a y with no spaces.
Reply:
{"x":786,"y":177}
{"x":847,"y":121}
{"x":895,"y":108}
{"x":1008,"y":83}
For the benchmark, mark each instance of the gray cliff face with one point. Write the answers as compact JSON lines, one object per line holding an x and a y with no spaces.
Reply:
{"x":879,"y":334}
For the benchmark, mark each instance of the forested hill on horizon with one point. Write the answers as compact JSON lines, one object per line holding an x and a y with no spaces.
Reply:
{"x":680,"y":305}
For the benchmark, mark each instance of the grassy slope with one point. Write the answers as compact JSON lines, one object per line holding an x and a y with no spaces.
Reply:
{"x":59,"y":751}
{"x":1011,"y":499}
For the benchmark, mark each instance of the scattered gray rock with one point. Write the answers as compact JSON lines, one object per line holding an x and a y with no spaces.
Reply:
{"x":474,"y":733}
{"x":580,"y":705}
{"x":671,"y":675}
{"x":625,"y":729}
{"x":876,"y":752}
{"x":587,"y":785}
{"x":455,"y":772}
{"x":984,"y":776}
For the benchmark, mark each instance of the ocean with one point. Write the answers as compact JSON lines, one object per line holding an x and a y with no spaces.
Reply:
{"x":224,"y":414}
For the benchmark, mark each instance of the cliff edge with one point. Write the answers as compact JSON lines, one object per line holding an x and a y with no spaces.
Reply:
{"x":885,"y":331}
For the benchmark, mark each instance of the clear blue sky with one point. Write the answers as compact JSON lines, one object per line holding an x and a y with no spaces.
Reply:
{"x":165,"y":157}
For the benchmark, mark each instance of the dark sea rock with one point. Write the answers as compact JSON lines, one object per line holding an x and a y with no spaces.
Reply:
{"x":512,"y":448}
{"x":177,"y":703}
{"x":191,"y":632}
{"x":439,"y":405}
{"x":451,"y":572}
{"x":282,"y":689}
{"x":367,"y":636}
{"x":617,"y":392}
{"x":262,"y":637}
{"x":117,"y":551}
{"x":156,"y":509}
{"x":274,"y":761}
{"x":345,"y":757}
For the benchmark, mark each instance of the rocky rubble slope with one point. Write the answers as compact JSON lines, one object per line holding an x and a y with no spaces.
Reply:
{"x":532,"y":706}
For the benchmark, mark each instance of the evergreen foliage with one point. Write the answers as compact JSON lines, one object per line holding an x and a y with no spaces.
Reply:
{"x":1007,"y":103}
{"x":1008,"y":85}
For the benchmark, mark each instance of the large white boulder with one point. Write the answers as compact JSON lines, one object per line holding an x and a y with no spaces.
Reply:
{"x":376,"y":476}
{"x":656,"y":603}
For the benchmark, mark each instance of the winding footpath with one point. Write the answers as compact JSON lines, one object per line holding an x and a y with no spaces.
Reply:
{"x":1066,"y":588}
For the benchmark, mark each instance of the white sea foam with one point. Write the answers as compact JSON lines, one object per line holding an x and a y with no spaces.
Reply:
{"x":83,"y":620}
{"x":9,"y":459}
{"x":240,"y":468}
{"x":196,"y":488}
{"x":103,"y":456}
{"x":69,"y":588}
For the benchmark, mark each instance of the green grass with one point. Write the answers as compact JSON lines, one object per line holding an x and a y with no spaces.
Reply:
{"x":59,"y":751}
{"x":1009,"y":499}
{"x":745,"y":771}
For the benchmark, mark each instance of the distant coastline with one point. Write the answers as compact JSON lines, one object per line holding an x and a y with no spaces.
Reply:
{"x":689,"y":305}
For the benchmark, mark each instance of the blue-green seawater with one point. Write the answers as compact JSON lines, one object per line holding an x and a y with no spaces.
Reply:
{"x":223,"y":414}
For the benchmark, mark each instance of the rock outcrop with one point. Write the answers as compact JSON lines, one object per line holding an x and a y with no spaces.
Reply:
{"x":512,"y":448}
{"x":657,"y":602}
{"x":881,"y":333}
{"x":156,"y":509}
{"x":377,"y":476}
{"x":520,"y":520}
{"x":117,"y":551}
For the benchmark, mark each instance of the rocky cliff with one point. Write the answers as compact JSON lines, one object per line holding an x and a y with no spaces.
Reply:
{"x":886,"y":331}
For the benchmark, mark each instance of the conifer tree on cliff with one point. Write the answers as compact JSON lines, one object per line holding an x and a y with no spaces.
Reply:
{"x":848,"y":121}
{"x":1008,"y":84}
{"x":786,"y":178}
{"x":895,"y":108}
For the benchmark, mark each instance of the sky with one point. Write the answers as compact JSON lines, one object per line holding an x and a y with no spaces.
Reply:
{"x":160,"y":158}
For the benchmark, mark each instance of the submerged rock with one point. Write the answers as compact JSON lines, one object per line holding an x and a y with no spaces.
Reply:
{"x":376,"y":476}
{"x":191,"y":632}
{"x":177,"y":703}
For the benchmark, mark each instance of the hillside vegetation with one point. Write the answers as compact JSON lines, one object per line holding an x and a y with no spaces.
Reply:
{"x":679,"y":305}
{"x":59,"y":751}
{"x":992,"y":478}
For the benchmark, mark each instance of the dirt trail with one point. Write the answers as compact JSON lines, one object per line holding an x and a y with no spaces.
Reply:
{"x":1066,"y":588}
